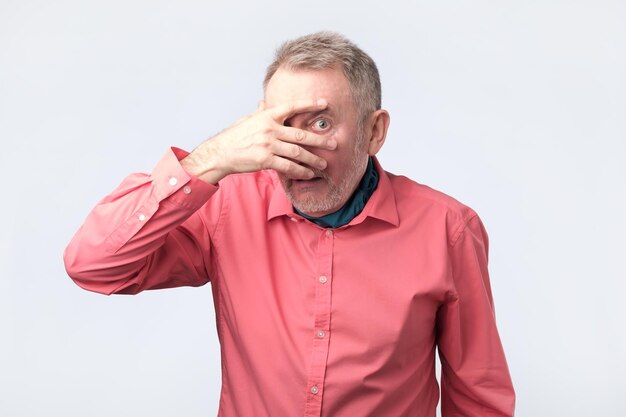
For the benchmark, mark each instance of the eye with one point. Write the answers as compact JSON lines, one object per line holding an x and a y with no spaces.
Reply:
{"x":321,"y":124}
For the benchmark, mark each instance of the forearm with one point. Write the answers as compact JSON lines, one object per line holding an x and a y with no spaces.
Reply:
{"x":147,"y":221}
{"x":129,"y":233}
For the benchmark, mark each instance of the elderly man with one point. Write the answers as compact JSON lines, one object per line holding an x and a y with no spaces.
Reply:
{"x":333,"y":280}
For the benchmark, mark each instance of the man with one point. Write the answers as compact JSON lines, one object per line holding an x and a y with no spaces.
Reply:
{"x":333,"y":280}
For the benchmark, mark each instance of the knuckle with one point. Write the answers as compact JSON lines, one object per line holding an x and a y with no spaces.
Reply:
{"x":266,"y":162}
{"x":265,"y":141}
{"x":264,"y":144}
{"x":296,"y":151}
{"x":286,"y":166}
{"x":267,"y":131}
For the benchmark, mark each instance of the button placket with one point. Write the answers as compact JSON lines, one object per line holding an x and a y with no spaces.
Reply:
{"x":320,"y":332}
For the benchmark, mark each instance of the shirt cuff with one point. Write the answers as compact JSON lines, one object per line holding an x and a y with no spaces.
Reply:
{"x":171,"y":181}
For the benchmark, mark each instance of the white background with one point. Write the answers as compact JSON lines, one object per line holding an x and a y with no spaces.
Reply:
{"x":517,"y":109}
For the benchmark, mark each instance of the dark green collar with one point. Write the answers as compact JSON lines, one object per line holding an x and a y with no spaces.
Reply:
{"x":354,"y":205}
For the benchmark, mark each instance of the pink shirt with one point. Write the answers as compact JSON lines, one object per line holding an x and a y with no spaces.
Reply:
{"x":311,"y":321}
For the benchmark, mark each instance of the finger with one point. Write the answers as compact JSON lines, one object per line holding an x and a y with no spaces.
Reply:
{"x":302,"y":137}
{"x":289,"y":168}
{"x":285,"y":111}
{"x":298,"y":154}
{"x":260,"y":107}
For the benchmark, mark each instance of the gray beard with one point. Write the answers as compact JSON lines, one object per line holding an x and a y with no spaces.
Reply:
{"x":338,"y":194}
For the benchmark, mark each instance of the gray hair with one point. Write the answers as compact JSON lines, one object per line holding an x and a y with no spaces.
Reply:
{"x":323,"y":50}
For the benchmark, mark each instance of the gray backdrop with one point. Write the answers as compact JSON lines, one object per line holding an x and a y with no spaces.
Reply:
{"x":515,"y":108}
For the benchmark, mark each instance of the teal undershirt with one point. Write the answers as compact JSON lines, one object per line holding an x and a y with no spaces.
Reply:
{"x":354,"y":205}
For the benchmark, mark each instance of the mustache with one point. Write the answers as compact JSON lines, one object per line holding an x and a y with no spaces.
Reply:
{"x":316,"y":172}
{"x":319,"y":173}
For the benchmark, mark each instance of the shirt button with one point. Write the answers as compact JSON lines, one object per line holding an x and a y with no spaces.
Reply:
{"x":187,"y":189}
{"x":323,"y":279}
{"x":141,"y":217}
{"x":321,"y":334}
{"x":329,"y":233}
{"x":314,"y":389}
{"x":173,"y":181}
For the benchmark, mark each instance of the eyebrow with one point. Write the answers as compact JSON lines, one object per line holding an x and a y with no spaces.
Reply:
{"x":312,"y":114}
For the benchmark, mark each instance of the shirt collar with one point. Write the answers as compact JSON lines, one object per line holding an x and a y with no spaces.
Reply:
{"x":381,"y":205}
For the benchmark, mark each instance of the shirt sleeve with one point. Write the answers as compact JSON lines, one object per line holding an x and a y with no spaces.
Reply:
{"x":147,"y":234}
{"x":475,"y":380}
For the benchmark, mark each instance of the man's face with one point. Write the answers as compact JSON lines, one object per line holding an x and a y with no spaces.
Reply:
{"x":333,"y":186}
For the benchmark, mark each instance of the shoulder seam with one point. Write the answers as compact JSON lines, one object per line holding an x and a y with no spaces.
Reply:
{"x":453,"y":205}
{"x":461,"y":229}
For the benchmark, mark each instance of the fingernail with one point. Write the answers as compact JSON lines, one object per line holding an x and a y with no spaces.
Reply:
{"x":332,"y":143}
{"x":321,"y":102}
{"x":322,"y":164}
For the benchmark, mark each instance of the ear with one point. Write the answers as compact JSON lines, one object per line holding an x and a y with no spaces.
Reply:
{"x":379,"y":123}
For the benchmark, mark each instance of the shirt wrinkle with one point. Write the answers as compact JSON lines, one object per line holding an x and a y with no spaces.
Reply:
{"x":461,"y":229}
{"x":316,"y":322}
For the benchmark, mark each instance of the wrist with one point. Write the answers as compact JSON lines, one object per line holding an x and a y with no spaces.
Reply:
{"x":203,"y":163}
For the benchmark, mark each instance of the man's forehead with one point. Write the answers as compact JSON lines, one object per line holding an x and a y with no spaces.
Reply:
{"x":289,"y":85}
{"x":333,"y":95}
